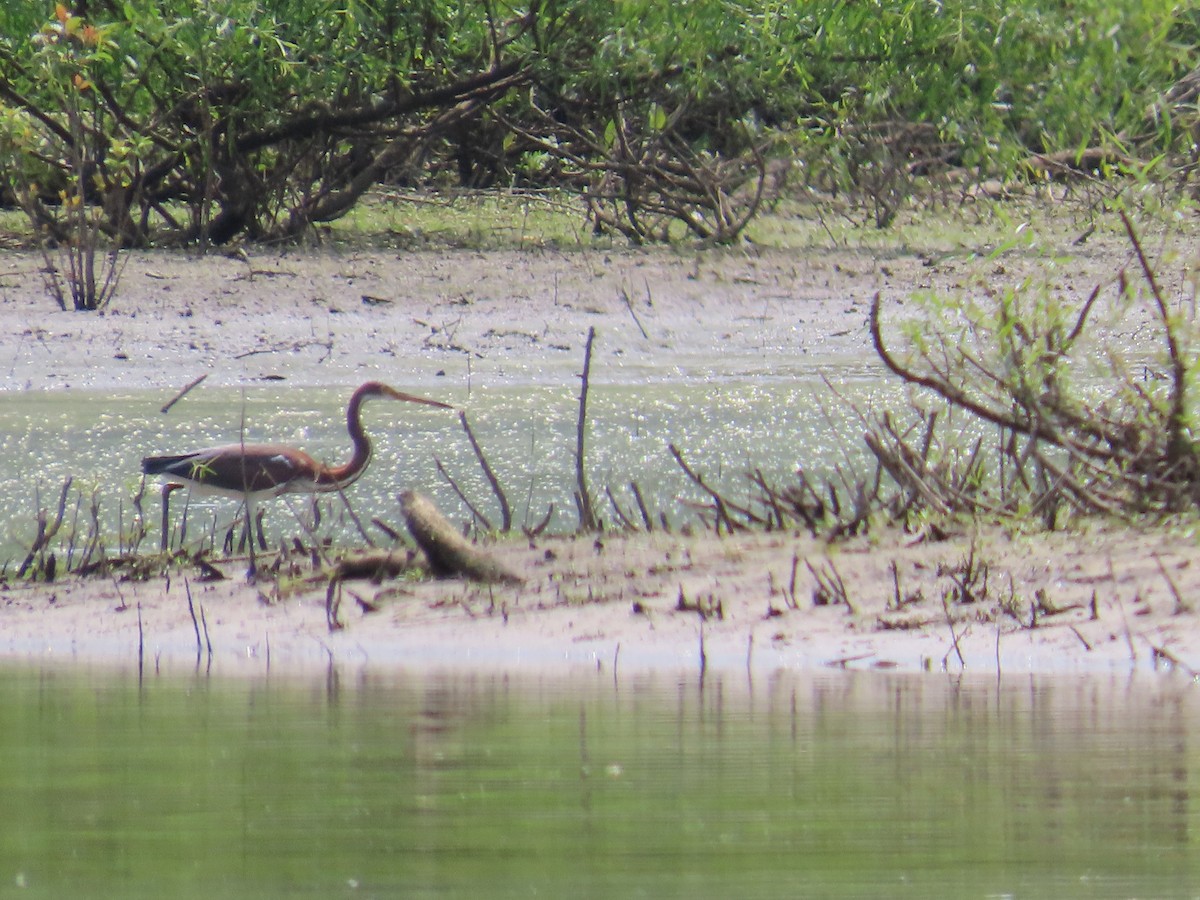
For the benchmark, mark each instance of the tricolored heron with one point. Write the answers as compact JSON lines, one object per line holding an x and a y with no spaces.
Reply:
{"x":258,"y":471}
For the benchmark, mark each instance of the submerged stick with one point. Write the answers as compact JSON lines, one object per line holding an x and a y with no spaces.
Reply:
{"x":448,"y":552}
{"x":141,"y":642}
{"x":501,"y":497}
{"x":587,"y":517}
{"x":182,"y":393}
{"x":187,"y":587}
{"x":46,"y":529}
{"x":475,"y":511}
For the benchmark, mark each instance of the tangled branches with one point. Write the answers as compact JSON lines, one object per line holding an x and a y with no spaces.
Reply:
{"x":1097,"y":438}
{"x":639,"y":175}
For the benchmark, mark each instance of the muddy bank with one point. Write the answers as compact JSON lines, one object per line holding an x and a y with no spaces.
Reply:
{"x":1100,"y":599}
{"x":1103,"y":601}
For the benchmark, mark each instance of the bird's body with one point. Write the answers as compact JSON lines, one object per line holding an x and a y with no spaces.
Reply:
{"x":256,"y":472}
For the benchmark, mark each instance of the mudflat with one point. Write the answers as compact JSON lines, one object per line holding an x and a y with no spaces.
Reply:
{"x":987,"y":597}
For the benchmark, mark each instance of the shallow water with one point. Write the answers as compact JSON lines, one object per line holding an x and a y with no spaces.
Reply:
{"x":470,"y":785}
{"x":528,"y":435}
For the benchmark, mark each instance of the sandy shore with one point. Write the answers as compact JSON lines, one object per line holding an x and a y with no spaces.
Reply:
{"x":1104,"y":601}
{"x":1067,"y":603}
{"x":1107,"y":598}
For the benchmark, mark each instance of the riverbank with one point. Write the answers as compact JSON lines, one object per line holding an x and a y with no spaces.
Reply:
{"x":1105,"y":598}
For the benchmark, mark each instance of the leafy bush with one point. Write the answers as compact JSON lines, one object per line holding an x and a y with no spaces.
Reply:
{"x":1082,"y":423}
{"x":257,"y":119}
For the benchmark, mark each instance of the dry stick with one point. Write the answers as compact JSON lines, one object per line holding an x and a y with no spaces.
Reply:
{"x":392,"y":533}
{"x":1178,"y":363}
{"x":1163,"y":653}
{"x":540,"y":526}
{"x":998,"y":649}
{"x":772,"y":497}
{"x":1180,"y":606}
{"x":959,"y":397}
{"x":478,"y":514}
{"x":311,"y":530}
{"x":626,"y":521}
{"x":341,"y":492}
{"x":831,"y":584}
{"x":505,"y":514}
{"x":447,"y":551}
{"x":74,"y":533}
{"x":902,"y":470}
{"x":583,"y":499}
{"x":182,"y":393}
{"x":333,"y":602}
{"x":632,"y":313}
{"x":139,"y":533}
{"x":93,"y":543}
{"x":721,"y":505}
{"x":1082,"y":639}
{"x":953,"y":635}
{"x":46,"y":531}
{"x":637,"y":495}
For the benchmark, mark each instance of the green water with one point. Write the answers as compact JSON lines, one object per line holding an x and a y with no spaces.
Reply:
{"x":362,"y":784}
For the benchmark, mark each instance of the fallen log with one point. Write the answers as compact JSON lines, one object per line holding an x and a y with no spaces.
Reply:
{"x":448,"y":552}
{"x":374,"y":564}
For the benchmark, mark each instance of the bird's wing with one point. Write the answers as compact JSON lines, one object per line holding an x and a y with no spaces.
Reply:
{"x":239,"y":468}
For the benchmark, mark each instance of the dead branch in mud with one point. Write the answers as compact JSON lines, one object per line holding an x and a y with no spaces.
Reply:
{"x":448,"y":552}
{"x":373,"y":565}
{"x":454,"y":486}
{"x":830,"y":589}
{"x":583,"y":497}
{"x":721,"y":505}
{"x":489,"y":474}
{"x":46,"y":531}
{"x":625,"y":519}
{"x":182,"y":392}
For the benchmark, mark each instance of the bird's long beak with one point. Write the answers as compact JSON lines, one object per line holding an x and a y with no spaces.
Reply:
{"x":413,"y":398}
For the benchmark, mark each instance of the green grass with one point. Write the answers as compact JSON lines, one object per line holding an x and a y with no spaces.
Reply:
{"x":477,"y":220}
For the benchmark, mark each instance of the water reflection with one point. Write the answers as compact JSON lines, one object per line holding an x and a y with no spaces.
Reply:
{"x":366,"y":784}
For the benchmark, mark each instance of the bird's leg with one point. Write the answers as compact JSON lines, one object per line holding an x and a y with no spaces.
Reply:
{"x":165,"y":542}
{"x":258,"y":529}
{"x":167,"y":490}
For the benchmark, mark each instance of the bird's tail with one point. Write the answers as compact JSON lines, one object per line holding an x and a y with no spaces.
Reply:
{"x":164,"y":465}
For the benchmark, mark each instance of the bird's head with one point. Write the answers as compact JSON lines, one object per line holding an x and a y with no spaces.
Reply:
{"x":379,"y":389}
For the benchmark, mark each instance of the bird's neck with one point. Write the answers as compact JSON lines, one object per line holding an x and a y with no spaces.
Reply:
{"x":348,"y":472}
